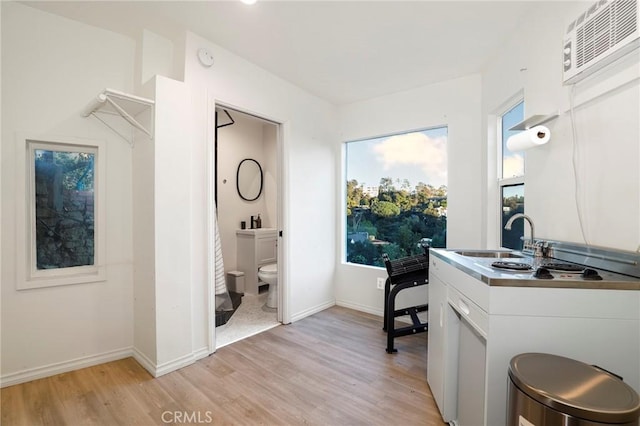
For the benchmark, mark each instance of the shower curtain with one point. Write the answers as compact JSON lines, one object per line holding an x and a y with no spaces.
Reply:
{"x":223,"y":300}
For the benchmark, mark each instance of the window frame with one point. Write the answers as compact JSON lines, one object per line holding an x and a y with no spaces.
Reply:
{"x":28,"y":275}
{"x":501,"y":181}
{"x":342,"y":253}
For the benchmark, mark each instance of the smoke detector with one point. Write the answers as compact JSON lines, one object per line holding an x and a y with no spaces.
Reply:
{"x":205,"y":57}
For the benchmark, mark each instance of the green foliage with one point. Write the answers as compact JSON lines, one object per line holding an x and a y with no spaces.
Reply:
{"x":354,"y":196}
{"x":385,"y":209}
{"x":75,"y":168}
{"x":363,"y":253}
{"x":398,"y":218}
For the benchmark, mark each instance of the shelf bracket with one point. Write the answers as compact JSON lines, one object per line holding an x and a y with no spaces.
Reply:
{"x":534,"y":120}
{"x":113,"y":102}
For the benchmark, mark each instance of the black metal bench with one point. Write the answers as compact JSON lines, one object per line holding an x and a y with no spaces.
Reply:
{"x":407,"y":272}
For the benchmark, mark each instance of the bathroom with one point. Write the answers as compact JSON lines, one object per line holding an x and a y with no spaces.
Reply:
{"x":246,"y":146}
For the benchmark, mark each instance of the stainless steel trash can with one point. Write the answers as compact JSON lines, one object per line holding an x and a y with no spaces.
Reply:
{"x":549,"y":390}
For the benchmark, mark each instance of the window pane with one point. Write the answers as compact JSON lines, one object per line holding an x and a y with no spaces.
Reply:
{"x":396,"y":195}
{"x":512,"y":203}
{"x":64,"y":208}
{"x":512,"y":162}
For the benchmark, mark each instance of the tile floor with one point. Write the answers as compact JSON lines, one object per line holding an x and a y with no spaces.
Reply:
{"x":251,"y":317}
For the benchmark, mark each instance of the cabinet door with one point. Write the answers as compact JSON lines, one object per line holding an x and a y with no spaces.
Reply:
{"x":472,"y":361}
{"x":436,"y":340}
{"x":266,"y":250}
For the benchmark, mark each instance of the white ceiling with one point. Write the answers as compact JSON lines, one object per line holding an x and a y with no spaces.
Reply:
{"x":342,"y":51}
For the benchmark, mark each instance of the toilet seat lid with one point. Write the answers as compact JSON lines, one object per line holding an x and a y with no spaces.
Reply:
{"x":270,"y":268}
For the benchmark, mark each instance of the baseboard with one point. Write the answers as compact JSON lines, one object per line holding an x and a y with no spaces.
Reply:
{"x":362,"y":308}
{"x":174,"y":364}
{"x":89,"y":361}
{"x":312,"y":311}
{"x":201,"y":353}
{"x":157,"y":370}
{"x":144,"y":361}
{"x":63,"y":367}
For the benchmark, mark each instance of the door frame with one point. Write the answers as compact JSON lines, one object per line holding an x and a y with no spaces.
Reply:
{"x":283,"y":132}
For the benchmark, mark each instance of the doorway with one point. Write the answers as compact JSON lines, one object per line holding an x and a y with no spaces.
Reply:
{"x":241,"y":139}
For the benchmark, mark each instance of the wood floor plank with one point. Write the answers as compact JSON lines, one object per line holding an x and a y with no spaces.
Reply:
{"x":328,"y":369}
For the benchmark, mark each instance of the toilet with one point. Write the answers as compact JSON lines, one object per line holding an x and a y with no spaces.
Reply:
{"x":269,"y":275}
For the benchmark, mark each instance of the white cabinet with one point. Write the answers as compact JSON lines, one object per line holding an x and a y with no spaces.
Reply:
{"x":594,"y":326}
{"x":466,"y":334}
{"x":255,"y":248}
{"x":436,"y":346}
{"x":456,"y":350}
{"x":475,"y":329}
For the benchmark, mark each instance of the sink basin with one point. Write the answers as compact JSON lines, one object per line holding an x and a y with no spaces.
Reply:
{"x":501,"y":254}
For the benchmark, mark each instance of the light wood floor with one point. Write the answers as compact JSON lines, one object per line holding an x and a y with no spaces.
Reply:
{"x":327,"y":369}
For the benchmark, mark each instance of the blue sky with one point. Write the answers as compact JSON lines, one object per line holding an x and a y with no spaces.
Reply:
{"x":419,"y":156}
{"x":513,"y":162}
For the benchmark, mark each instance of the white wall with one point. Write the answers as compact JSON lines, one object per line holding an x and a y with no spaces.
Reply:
{"x":271,"y":170}
{"x":247,"y":138}
{"x":454,"y":103}
{"x":51,"y":69}
{"x":608,"y":130}
{"x":607,"y":122}
{"x":309,"y":167}
{"x":173,"y":226}
{"x":144,"y":223}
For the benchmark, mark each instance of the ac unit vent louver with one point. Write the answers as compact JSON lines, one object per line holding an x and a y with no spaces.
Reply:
{"x":605,"y":32}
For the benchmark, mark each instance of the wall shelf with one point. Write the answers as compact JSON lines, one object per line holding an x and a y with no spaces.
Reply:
{"x":128,"y":107}
{"x":534,"y":120}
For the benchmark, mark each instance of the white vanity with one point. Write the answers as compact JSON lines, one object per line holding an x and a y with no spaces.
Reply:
{"x":255,"y":248}
{"x":480,"y":318}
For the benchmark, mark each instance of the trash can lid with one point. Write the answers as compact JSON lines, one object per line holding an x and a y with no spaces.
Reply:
{"x":574,"y":388}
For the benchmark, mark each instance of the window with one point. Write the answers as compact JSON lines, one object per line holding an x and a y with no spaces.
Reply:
{"x":512,"y":162}
{"x":396,"y":195}
{"x":512,"y":203}
{"x":64,"y":207}
{"x":511,"y":178}
{"x":63,"y":242}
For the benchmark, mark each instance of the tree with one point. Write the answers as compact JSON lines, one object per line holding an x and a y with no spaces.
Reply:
{"x":385,"y":209}
{"x":400,"y":218}
{"x":386,"y":185}
{"x":354,"y":195}
{"x":76,"y":167}
{"x":363,"y":253}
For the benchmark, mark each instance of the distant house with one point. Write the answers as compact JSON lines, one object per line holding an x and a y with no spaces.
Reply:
{"x":357,"y":237}
{"x":361,"y":237}
{"x":371,"y":191}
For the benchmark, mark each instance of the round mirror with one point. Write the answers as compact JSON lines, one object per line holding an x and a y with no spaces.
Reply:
{"x":249,"y":179}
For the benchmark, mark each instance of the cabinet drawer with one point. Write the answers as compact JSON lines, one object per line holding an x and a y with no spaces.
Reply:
{"x":468,"y":310}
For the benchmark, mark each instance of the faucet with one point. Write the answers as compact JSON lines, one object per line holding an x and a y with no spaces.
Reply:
{"x":256,"y":222}
{"x":532,"y":246}
{"x":518,"y":216}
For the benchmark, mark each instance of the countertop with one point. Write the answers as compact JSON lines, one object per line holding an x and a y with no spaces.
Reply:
{"x":480,"y":268}
{"x":256,"y":231}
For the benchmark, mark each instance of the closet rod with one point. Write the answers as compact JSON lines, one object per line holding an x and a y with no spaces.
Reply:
{"x":227,"y":124}
{"x":131,"y":105}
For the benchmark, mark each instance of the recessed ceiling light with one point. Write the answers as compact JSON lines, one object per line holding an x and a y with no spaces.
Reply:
{"x":248,"y":1}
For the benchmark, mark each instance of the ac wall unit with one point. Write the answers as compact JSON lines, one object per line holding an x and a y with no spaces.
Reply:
{"x":603,"y":33}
